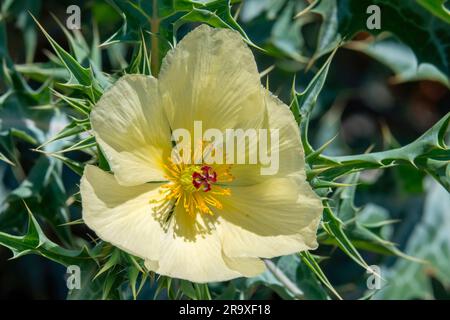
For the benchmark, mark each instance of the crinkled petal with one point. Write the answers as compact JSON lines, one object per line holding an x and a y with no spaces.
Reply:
{"x":285,"y":158}
{"x":248,"y":267}
{"x":122,"y":215}
{"x":277,"y":217}
{"x":131,"y":128}
{"x":211,"y":76}
{"x":193,"y":251}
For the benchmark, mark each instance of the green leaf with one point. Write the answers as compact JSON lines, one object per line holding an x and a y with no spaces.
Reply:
{"x":290,"y":279}
{"x":140,"y":62}
{"x":43,"y":71}
{"x":303,"y":103}
{"x":200,"y":15}
{"x":89,"y":289}
{"x":86,"y":143}
{"x":7,"y":152}
{"x":75,"y":166}
{"x":42,"y":187}
{"x":307,"y":99}
{"x":113,"y":260}
{"x":5,"y":159}
{"x":81,"y":75}
{"x":276,"y":278}
{"x":429,"y":152}
{"x":35,"y":242}
{"x":215,"y":13}
{"x":133,"y":275}
{"x":188,"y":289}
{"x":429,"y":241}
{"x":77,"y":43}
{"x":335,"y":229}
{"x":421,"y":25}
{"x":72,"y":129}
{"x":311,"y":263}
{"x":426,"y":35}
{"x":23,"y":22}
{"x":400,"y":59}
{"x":286,"y":34}
{"x":436,"y":7}
{"x":361,"y":226}
{"x":229,"y":293}
{"x":328,"y":36}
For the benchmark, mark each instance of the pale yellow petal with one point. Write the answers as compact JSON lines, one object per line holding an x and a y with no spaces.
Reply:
{"x":291,"y":154}
{"x":193,"y":251}
{"x":151,"y":265}
{"x":211,"y":76}
{"x":121,"y":215}
{"x":248,"y":267}
{"x":285,"y":158}
{"x":277,"y":217}
{"x":130,"y":126}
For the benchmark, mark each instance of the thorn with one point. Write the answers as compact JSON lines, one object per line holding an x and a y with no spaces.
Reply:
{"x":304,"y":11}
{"x":238,"y":11}
{"x":327,"y":62}
{"x":317,"y":152}
{"x":70,"y":223}
{"x":266,"y":71}
{"x":369,"y":149}
{"x":293,"y":91}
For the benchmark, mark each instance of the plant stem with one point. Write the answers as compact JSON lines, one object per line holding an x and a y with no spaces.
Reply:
{"x":154,"y":28}
{"x":291,"y":286}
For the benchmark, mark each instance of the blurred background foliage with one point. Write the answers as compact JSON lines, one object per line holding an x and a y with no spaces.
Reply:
{"x":372,"y":105}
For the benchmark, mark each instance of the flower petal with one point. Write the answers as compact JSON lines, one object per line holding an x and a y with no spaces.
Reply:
{"x":193,"y":251}
{"x":130,"y":126}
{"x":211,"y":76}
{"x":277,"y":217}
{"x":288,"y":153}
{"x":248,"y":267}
{"x":121,"y":215}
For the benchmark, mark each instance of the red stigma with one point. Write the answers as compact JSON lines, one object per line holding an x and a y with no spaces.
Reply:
{"x":204,"y":178}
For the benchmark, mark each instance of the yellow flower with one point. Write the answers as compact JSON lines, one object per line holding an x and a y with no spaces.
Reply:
{"x":194,"y":221}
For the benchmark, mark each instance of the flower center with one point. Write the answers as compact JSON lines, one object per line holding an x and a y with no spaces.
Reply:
{"x":197,"y":187}
{"x":204,"y":179}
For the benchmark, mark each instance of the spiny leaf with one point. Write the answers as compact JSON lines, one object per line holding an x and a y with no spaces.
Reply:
{"x":5,"y":159}
{"x":308,"y":98}
{"x":423,"y":153}
{"x":82,"y":75}
{"x":360,"y":234}
{"x":35,"y":242}
{"x":75,"y":166}
{"x":401,"y":59}
{"x":437,"y":8}
{"x":80,"y":105}
{"x":85,"y":143}
{"x":215,"y":13}
{"x":334,"y":227}
{"x":72,"y":129}
{"x":408,"y":20}
{"x":428,"y":241}
{"x":112,"y":261}
{"x":302,"y":104}
{"x":309,"y":260}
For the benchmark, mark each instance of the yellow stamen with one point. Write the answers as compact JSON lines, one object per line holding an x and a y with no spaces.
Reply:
{"x":194,"y":196}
